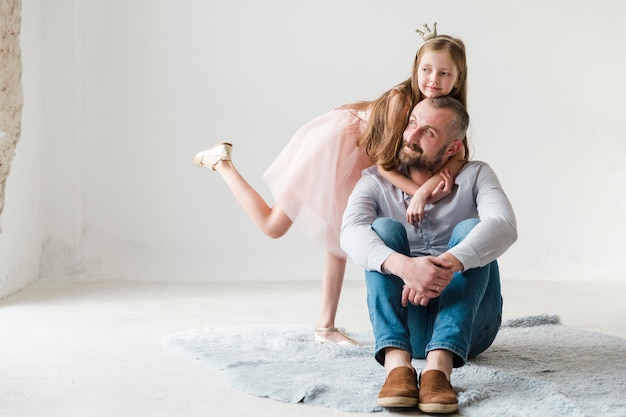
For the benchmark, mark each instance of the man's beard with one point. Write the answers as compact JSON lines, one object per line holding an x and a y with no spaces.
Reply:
{"x":418,"y":161}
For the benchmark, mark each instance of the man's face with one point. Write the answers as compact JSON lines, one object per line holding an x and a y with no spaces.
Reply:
{"x":425,"y":139}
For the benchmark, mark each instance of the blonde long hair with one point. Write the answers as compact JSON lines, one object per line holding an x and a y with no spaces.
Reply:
{"x":389,"y":114}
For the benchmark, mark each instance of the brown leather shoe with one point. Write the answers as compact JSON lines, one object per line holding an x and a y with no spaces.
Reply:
{"x":400,"y":388}
{"x":436,"y":395}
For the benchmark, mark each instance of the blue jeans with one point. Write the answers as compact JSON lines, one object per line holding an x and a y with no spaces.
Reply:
{"x":464,"y":319}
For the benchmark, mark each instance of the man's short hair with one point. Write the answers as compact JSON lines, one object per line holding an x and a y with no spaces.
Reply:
{"x":457,"y":129}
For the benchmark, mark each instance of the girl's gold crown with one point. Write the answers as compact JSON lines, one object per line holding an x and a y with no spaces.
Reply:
{"x":428,"y":34}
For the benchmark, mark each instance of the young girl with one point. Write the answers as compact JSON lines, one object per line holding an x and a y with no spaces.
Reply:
{"x":313,"y":176}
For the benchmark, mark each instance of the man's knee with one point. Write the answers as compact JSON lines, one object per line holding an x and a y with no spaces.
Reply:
{"x":461,"y":230}
{"x":387,"y":228}
{"x":393,"y":233}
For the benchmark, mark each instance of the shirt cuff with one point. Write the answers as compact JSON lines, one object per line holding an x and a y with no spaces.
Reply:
{"x":377,"y":256}
{"x":468,"y":257}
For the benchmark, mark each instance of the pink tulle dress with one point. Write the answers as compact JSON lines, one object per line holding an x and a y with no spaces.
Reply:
{"x":313,"y":176}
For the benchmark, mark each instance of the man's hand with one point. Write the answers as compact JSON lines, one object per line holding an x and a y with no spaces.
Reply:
{"x":425,"y":277}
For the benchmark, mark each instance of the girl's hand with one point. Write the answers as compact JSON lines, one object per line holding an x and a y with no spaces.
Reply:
{"x":415,"y":211}
{"x":444,"y":188}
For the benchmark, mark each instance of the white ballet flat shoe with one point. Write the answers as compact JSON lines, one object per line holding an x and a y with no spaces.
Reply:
{"x":321,"y":339}
{"x":211,"y":157}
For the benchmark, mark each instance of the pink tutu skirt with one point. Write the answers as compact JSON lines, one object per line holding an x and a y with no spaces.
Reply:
{"x":313,"y":176}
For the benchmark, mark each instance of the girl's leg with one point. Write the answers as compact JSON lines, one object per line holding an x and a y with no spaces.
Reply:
{"x":332,"y":281}
{"x":272,"y":221}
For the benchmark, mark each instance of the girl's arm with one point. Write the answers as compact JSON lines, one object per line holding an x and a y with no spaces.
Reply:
{"x":437,"y":187}
{"x":399,"y":180}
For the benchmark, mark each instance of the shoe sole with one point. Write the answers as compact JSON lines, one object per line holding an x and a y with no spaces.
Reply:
{"x":397,"y":402}
{"x":351,"y":342}
{"x":437,"y":408}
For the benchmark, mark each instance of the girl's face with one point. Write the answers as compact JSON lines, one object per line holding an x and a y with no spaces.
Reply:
{"x":436,"y":74}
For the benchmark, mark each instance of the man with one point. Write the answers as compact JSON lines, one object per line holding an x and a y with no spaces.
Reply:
{"x":433,"y":289}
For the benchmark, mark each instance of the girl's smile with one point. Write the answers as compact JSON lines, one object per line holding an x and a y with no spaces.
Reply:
{"x":437,"y":74}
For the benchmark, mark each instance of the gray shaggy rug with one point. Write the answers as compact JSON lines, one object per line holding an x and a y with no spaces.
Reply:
{"x":536,"y":367}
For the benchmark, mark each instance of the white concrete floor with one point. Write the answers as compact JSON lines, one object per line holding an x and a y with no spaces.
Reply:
{"x":94,"y":348}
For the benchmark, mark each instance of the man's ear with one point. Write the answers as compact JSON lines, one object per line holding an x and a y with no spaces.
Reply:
{"x":454,"y":147}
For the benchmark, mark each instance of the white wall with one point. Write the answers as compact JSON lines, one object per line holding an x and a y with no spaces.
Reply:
{"x":134,"y":88}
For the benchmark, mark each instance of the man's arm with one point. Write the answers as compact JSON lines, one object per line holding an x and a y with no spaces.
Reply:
{"x":489,"y":239}
{"x":358,"y":240}
{"x":497,"y":229}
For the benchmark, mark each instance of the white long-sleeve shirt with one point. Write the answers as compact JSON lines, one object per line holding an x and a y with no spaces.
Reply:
{"x":477,"y":193}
